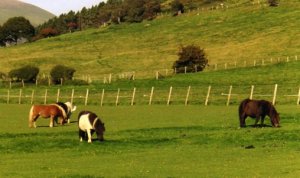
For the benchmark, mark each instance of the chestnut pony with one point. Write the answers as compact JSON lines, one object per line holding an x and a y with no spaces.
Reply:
{"x":59,"y":110}
{"x":258,"y":109}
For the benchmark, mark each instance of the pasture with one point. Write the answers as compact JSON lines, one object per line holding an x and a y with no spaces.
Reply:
{"x":151,"y":141}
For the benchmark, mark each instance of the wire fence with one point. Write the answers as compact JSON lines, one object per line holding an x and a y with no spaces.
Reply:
{"x":190,"y":95}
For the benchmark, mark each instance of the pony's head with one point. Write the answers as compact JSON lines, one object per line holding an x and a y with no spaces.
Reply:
{"x":275,"y":118}
{"x":100,"y":129}
{"x":71,"y":109}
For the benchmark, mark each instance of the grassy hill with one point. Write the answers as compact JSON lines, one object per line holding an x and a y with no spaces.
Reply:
{"x":244,"y":33}
{"x":13,"y":8}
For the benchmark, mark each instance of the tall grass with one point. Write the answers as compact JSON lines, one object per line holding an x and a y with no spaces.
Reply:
{"x":245,"y":33}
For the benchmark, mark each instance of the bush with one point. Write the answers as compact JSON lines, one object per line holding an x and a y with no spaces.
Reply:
{"x":59,"y":72}
{"x":191,"y":59}
{"x":27,"y":73}
{"x":273,"y":3}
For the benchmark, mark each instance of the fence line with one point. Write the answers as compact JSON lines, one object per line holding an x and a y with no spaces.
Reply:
{"x":158,"y":73}
{"x":178,"y":96}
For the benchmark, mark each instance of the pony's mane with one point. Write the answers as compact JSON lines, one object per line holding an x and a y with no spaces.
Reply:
{"x":64,"y":106}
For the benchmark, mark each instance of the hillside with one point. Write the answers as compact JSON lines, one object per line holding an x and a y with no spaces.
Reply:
{"x":13,"y":8}
{"x":244,"y":33}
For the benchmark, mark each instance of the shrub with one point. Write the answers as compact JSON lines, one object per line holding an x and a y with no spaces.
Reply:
{"x":27,"y":73}
{"x":191,"y":59}
{"x":177,"y":7}
{"x":59,"y":72}
{"x":273,"y":3}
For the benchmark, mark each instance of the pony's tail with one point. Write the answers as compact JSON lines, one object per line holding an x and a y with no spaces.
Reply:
{"x":30,"y":121}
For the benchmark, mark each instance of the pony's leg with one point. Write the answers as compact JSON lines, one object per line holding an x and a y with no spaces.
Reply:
{"x":242,"y":120}
{"x":89,"y":136}
{"x":262,"y":120}
{"x":256,"y":120}
{"x":51,"y":121}
{"x":81,"y":135}
{"x":34,"y":121}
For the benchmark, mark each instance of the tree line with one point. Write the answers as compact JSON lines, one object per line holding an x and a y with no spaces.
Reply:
{"x":105,"y":13}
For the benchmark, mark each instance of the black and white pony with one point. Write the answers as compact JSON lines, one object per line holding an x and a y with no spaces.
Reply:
{"x":88,"y":123}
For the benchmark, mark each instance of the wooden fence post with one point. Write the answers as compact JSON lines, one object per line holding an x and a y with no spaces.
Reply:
{"x":58,"y":95}
{"x":298,"y":100}
{"x":251,"y":92}
{"x":229,"y":95}
{"x":49,"y":81}
{"x":9,"y":84}
{"x":102,"y":97}
{"x":187,"y":96}
{"x":133,"y":96}
{"x":185,"y":69}
{"x":156,"y":75}
{"x":32,"y":96}
{"x":170,"y":95}
{"x":274,"y":95}
{"x":45,"y":99}
{"x":151,"y":95}
{"x":109,"y":78}
{"x":8,"y":96}
{"x":207,"y":96}
{"x":86,"y":97}
{"x":23,"y":84}
{"x":20,"y":96}
{"x":117,"y":98}
{"x":72,"y":96}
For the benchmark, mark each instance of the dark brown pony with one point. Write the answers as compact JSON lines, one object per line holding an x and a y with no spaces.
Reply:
{"x":55,"y":111}
{"x":258,"y":109}
{"x":88,"y":123}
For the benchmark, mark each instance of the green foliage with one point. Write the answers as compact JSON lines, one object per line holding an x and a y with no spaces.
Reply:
{"x":177,"y":7}
{"x":273,"y":3}
{"x":61,"y":72}
{"x":192,"y":57}
{"x":16,"y":28}
{"x":27,"y":73}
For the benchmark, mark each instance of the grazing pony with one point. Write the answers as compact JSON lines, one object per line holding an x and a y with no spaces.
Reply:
{"x":59,"y":110}
{"x":258,"y":109}
{"x":88,"y":123}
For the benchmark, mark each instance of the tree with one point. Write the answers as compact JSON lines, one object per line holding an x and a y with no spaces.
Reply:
{"x":151,"y":9}
{"x":16,"y":28}
{"x":1,"y":37}
{"x":27,"y":73}
{"x":48,"y":32}
{"x":59,"y":72}
{"x":191,"y":59}
{"x":135,"y":10}
{"x":177,"y":7}
{"x":273,"y":3}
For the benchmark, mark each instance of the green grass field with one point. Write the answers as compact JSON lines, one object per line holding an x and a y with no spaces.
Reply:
{"x":156,"y":141}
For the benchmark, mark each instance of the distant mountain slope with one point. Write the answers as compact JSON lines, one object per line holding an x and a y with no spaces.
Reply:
{"x":13,"y":8}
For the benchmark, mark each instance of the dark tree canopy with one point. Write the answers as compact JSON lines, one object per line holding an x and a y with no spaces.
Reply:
{"x":61,"y":72}
{"x":191,"y":59}
{"x":16,"y":28}
{"x":27,"y":73}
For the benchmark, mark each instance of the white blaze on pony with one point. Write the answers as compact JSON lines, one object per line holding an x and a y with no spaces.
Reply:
{"x":88,"y":123}
{"x":59,"y":110}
